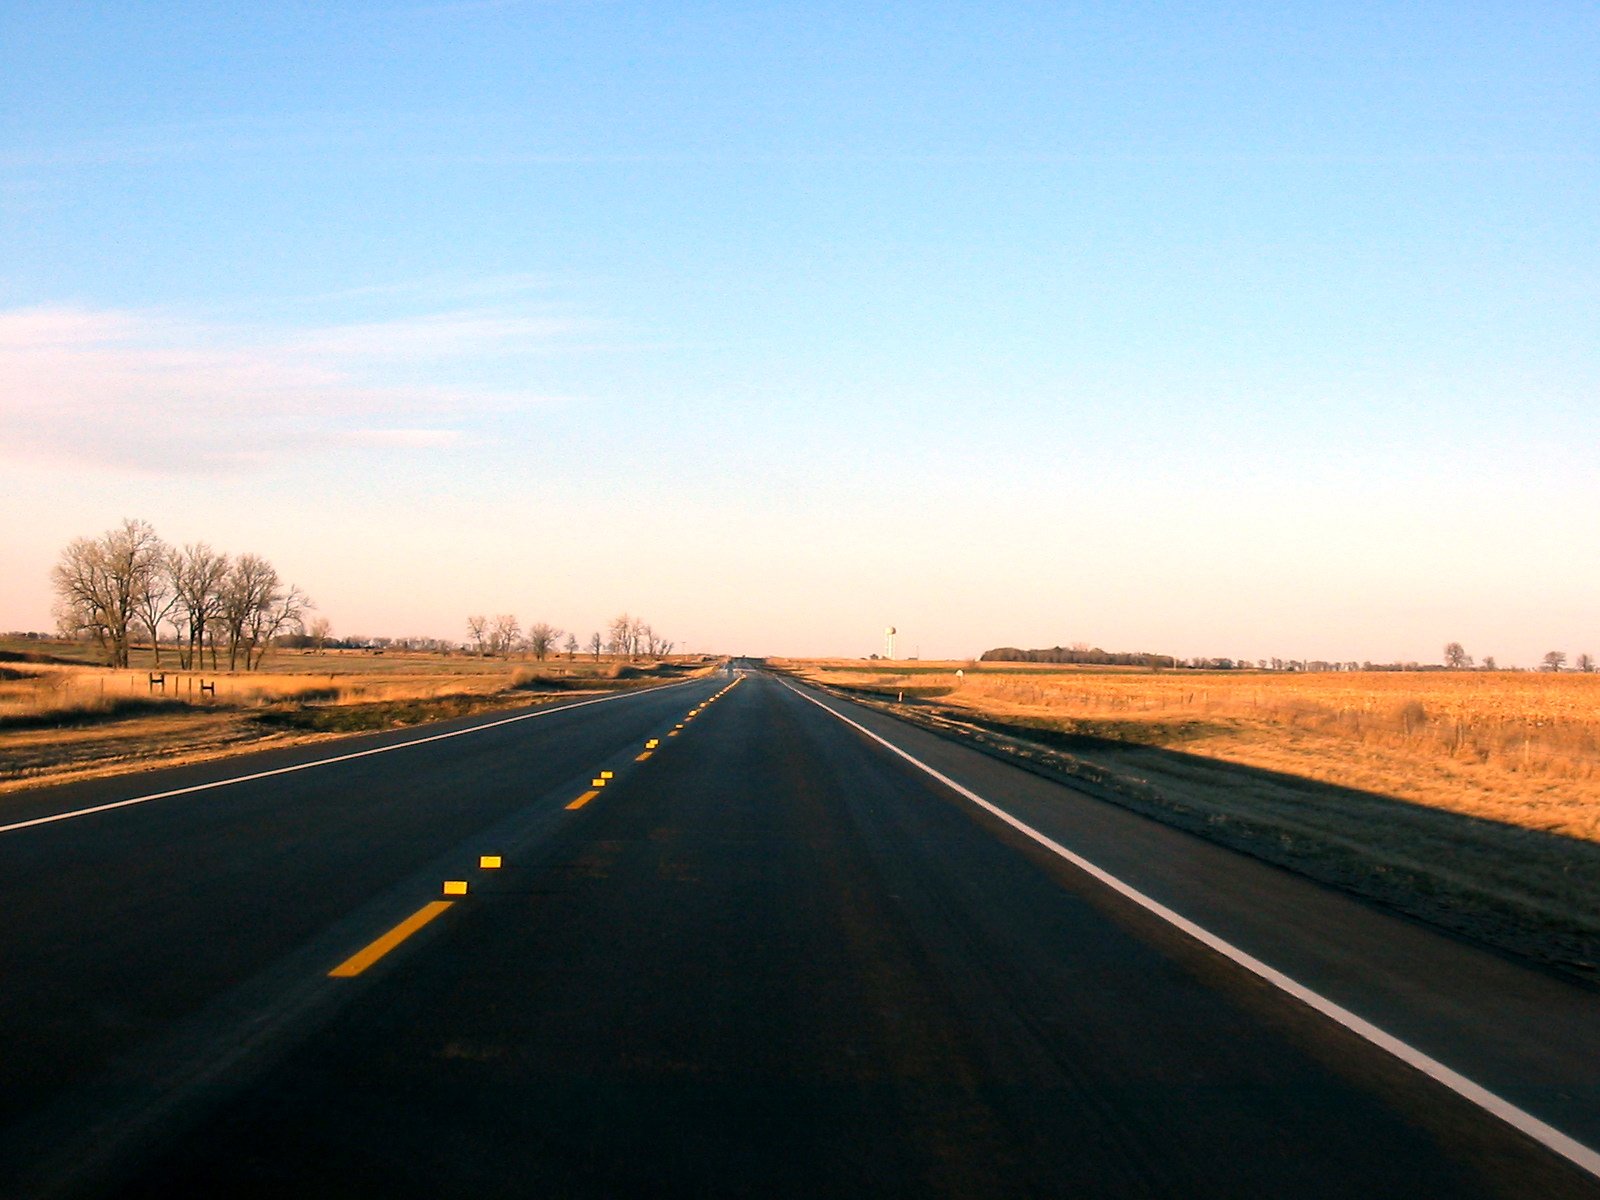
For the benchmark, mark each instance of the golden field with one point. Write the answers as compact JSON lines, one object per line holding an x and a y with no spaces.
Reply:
{"x":1471,"y":800}
{"x":1519,"y":747}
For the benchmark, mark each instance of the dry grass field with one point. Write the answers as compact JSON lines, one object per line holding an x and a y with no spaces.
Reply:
{"x":65,"y":718}
{"x":1470,"y":798}
{"x":1517,"y":747}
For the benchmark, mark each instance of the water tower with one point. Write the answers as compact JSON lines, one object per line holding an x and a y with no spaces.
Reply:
{"x":888,"y":642}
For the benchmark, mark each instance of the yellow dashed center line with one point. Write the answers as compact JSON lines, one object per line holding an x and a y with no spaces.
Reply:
{"x":364,"y":958}
{"x":373,"y":951}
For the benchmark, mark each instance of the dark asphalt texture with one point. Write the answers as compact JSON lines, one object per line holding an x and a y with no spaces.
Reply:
{"x":773,"y":959}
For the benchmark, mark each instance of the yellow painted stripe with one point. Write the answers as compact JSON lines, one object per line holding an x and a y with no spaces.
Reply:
{"x":364,"y":958}
{"x":583,"y":799}
{"x":642,"y":757}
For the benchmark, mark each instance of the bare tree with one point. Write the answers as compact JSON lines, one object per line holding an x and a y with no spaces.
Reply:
{"x":478,"y":630}
{"x":158,"y":595}
{"x":1586,"y":662}
{"x":1456,"y":656}
{"x":281,"y":612}
{"x":1489,"y":663}
{"x":321,"y":630}
{"x":99,"y":583}
{"x":197,"y":573}
{"x":596,"y":644}
{"x":504,"y":634}
{"x":542,"y":639}
{"x":571,"y":647}
{"x":1555,"y":660}
{"x":251,"y":589}
{"x":622,"y":636}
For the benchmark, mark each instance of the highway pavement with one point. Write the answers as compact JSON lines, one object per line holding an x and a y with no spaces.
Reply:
{"x":725,"y":938}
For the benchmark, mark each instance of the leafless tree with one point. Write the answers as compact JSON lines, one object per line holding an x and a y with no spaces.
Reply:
{"x":1456,"y":656}
{"x":478,"y":630}
{"x":542,"y":638}
{"x":596,"y":644}
{"x":281,"y":612}
{"x":1489,"y":663}
{"x":197,"y":573}
{"x":505,"y":634}
{"x":1555,"y":660}
{"x":321,"y":630}
{"x":1586,"y":662}
{"x":158,"y":595}
{"x":251,"y":590}
{"x":622,"y":636}
{"x":99,"y":583}
{"x":571,"y":646}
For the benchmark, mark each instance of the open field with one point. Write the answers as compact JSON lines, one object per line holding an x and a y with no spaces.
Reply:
{"x":62,"y":717}
{"x":1471,"y":799}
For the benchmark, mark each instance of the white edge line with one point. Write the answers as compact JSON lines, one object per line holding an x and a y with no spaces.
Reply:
{"x":323,"y":762}
{"x":1548,"y":1136}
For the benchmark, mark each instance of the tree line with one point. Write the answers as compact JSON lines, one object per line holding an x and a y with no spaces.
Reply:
{"x":502,"y":635}
{"x":127,"y":580}
{"x":1457,"y":659}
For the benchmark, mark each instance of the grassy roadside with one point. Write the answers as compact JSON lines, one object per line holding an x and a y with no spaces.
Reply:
{"x":1527,"y":891}
{"x":63,"y":720}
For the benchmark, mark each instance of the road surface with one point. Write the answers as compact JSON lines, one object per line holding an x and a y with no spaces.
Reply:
{"x":766,"y":955}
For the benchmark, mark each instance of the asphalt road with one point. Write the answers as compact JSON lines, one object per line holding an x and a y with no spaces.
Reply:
{"x":767,"y":956}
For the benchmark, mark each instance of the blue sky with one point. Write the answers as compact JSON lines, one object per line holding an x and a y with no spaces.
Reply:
{"x":1246,"y":330}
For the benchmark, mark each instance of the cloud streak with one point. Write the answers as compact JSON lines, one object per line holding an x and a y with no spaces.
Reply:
{"x":153,"y":394}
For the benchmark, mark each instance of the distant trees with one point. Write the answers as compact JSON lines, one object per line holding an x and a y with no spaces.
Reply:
{"x":621,"y":642}
{"x":318,"y":634}
{"x":128,"y":576}
{"x":542,"y":639}
{"x":1554,"y":660}
{"x":1082,"y":653}
{"x":629,"y":638}
{"x":505,"y":634}
{"x":1456,"y":657}
{"x":1585,"y":663}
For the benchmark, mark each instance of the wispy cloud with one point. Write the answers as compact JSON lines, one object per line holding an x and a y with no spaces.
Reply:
{"x":443,"y":335}
{"x":155,"y":393}
{"x":444,"y":288}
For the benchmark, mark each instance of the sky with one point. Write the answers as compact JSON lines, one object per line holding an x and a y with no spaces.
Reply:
{"x":1247,"y":330}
